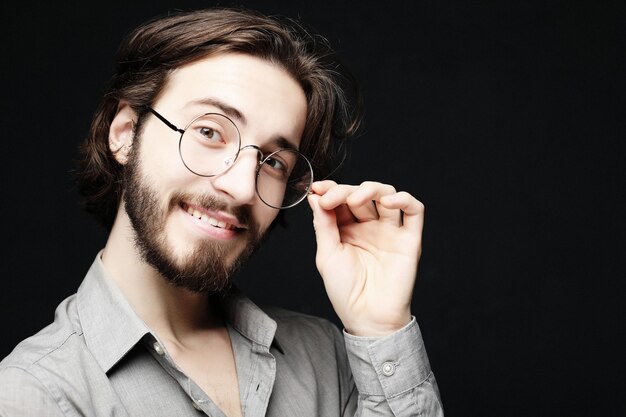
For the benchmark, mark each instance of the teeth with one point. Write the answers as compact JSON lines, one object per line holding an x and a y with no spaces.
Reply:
{"x":210,"y":220}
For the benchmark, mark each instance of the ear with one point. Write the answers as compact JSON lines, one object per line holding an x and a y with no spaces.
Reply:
{"x":121,"y":132}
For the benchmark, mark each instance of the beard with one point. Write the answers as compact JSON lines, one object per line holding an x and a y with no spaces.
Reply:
{"x":205,"y":269}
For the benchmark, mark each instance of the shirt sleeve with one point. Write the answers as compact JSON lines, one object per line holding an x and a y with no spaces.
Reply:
{"x":393,"y":375}
{"x":21,"y":394}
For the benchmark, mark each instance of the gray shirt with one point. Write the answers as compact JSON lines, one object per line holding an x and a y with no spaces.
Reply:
{"x":98,"y":358}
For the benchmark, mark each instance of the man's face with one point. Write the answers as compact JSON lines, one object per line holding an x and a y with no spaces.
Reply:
{"x":174,"y":211}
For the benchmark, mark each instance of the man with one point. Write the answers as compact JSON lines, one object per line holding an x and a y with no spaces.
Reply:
{"x":214,"y":122}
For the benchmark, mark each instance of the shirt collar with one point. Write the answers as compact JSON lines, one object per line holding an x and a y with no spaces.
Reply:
{"x":111,"y":327}
{"x":249,"y":320}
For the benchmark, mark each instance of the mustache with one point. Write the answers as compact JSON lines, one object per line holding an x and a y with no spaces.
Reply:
{"x":212,"y":203}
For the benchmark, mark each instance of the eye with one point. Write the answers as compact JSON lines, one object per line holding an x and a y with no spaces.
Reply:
{"x":275,"y":163}
{"x":213,"y":130}
{"x":276,"y":167}
{"x":210,"y":134}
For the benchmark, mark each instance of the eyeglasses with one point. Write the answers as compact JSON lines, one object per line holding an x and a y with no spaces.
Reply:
{"x":210,"y":144}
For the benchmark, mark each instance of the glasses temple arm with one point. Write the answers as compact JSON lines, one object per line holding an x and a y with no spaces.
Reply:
{"x":164,"y":120}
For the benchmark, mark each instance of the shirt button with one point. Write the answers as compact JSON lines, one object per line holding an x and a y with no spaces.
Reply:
{"x":389,"y":368}
{"x":158,"y":349}
{"x":196,"y":406}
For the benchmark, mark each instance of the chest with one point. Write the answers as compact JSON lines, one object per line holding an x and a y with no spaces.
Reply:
{"x":211,"y":365}
{"x":218,"y":379}
{"x":291,"y":385}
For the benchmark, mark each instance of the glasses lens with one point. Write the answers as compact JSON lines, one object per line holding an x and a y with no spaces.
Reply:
{"x":284,"y":179}
{"x":210,"y":144}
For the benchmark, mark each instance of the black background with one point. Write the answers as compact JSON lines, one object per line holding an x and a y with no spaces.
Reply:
{"x":506,"y":118}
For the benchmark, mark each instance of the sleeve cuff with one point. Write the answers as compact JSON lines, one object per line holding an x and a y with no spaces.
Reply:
{"x":390,"y":365}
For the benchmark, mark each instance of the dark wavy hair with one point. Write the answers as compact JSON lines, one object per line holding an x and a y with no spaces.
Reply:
{"x":152,"y":51}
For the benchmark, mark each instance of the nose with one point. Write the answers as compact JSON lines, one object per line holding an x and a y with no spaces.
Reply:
{"x":239,"y":181}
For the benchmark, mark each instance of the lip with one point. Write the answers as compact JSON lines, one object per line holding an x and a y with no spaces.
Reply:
{"x":221,"y":233}
{"x":219,"y":216}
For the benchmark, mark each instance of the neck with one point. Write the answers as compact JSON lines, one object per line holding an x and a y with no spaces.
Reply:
{"x":171,"y":312}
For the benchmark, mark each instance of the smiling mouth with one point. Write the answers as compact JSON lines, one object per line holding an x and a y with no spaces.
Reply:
{"x":206,"y":218}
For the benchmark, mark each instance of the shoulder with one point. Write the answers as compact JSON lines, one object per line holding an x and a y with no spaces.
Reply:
{"x":26,"y":374}
{"x":49,"y":341}
{"x":49,"y":352}
{"x":22,"y":394}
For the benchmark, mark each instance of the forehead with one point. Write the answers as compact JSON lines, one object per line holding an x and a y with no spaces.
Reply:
{"x":260,"y":96}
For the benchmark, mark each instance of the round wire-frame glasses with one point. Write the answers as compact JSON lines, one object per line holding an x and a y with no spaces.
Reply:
{"x":210,"y":144}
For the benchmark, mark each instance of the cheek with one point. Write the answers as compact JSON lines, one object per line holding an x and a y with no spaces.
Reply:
{"x":160,"y":160}
{"x":264,"y":215}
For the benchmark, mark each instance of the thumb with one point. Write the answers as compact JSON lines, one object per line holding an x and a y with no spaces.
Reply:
{"x":325,"y":225}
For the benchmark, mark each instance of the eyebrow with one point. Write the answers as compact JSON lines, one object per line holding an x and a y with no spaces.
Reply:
{"x":283,"y":143}
{"x":228,"y":110}
{"x":232,"y":112}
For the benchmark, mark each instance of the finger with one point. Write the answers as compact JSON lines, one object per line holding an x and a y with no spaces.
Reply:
{"x":333,"y":199}
{"x":412,"y":209}
{"x":365,"y":212}
{"x":344,"y":215}
{"x":386,"y":214}
{"x":335,"y":195}
{"x":325,"y":225}
{"x":367,"y":192}
{"x":321,"y":187}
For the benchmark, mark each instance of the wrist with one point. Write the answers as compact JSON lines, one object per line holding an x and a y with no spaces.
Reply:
{"x":377,"y":329}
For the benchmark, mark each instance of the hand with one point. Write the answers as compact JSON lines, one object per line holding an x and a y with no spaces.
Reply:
{"x":369,"y":240}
